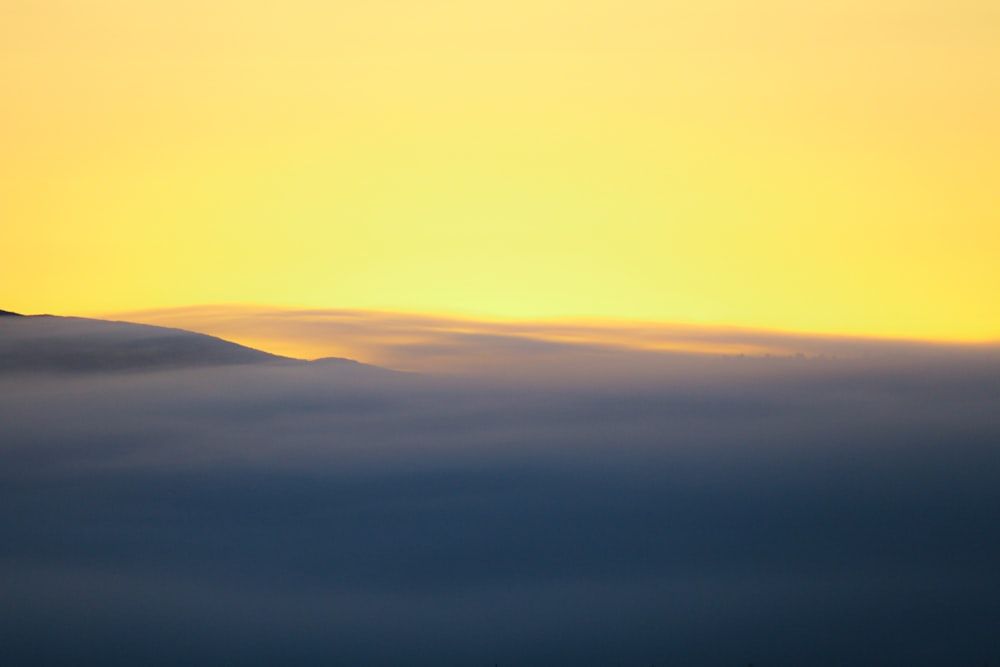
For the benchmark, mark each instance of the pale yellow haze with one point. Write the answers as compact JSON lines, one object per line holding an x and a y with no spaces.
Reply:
{"x":811,"y":165}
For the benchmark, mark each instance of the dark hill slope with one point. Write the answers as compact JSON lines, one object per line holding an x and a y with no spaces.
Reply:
{"x":45,"y":343}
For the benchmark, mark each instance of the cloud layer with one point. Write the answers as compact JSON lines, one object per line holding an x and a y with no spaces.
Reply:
{"x":451,"y":344}
{"x":778,"y":511}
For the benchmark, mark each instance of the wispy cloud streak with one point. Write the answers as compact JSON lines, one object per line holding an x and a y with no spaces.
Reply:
{"x":435,"y":343}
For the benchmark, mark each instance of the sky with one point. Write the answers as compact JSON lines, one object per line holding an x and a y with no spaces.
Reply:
{"x":825,"y":166}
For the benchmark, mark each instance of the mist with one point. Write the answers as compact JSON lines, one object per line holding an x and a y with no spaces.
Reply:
{"x":698,"y":511}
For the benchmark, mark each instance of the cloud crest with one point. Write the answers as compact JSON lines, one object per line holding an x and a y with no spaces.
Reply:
{"x":434,"y":344}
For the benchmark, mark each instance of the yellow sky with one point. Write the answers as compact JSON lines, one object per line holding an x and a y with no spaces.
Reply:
{"x":815,"y":165}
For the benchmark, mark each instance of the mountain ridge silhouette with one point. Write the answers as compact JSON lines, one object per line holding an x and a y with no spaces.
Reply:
{"x":56,"y":344}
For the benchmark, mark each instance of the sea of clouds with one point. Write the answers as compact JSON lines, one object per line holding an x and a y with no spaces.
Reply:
{"x":682,"y":510}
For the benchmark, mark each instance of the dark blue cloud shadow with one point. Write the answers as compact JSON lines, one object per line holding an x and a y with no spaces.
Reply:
{"x":775,"y":512}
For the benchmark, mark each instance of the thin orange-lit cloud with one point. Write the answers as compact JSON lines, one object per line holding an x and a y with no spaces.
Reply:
{"x":439,"y":343}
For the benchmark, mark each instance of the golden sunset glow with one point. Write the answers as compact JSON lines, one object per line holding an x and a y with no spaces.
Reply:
{"x":826,"y":166}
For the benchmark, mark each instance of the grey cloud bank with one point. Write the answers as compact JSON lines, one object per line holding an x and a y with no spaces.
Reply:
{"x":706,"y":511}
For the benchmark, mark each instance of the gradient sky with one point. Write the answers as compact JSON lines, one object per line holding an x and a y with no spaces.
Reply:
{"x":819,"y":165}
